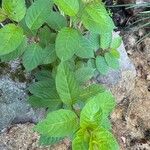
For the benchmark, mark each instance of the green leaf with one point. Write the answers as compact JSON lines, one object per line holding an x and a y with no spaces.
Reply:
{"x":96,"y":19}
{"x":84,"y":74}
{"x":15,"y":9}
{"x":58,"y":124}
{"x":104,"y":140}
{"x":106,"y":101}
{"x":84,"y":50}
{"x":105,"y":40}
{"x":43,"y":75}
{"x":52,"y":104}
{"x":49,"y":54}
{"x":69,"y":7}
{"x":66,"y":43}
{"x":91,"y":91}
{"x":111,"y":61}
{"x":44,"y":89}
{"x":91,"y":63}
{"x":91,"y":114}
{"x":47,"y":140}
{"x":45,"y":36}
{"x":101,"y":65}
{"x":56,"y":21}
{"x":37,"y":13}
{"x":116,"y":42}
{"x":26,"y":30}
{"x":2,"y":15}
{"x":11,"y":37}
{"x":105,"y":122}
{"x":115,"y":53}
{"x":66,"y":84}
{"x":32,"y":57}
{"x":94,"y":40}
{"x":16,"y":53}
{"x":81,"y":140}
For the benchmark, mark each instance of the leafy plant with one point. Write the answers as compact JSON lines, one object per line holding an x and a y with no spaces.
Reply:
{"x":70,"y":40}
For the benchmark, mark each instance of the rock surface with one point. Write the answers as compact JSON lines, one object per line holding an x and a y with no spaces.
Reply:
{"x":121,"y":82}
{"x":13,"y":103}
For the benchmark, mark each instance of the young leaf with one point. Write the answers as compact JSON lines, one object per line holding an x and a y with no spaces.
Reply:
{"x":32,"y":56}
{"x":16,"y":53}
{"x":105,"y":40}
{"x":69,"y":7}
{"x":58,"y":124}
{"x":106,"y":102}
{"x":11,"y":37}
{"x":111,"y":61}
{"x":84,"y":74}
{"x":66,"y":43}
{"x":66,"y":84}
{"x":101,"y":65}
{"x":37,"y":13}
{"x":104,"y":140}
{"x":91,"y":114}
{"x":84,"y":50}
{"x":50,"y":103}
{"x":115,"y":53}
{"x":3,"y":15}
{"x":47,"y":140}
{"x":56,"y":21}
{"x":116,"y":42}
{"x":96,"y":19}
{"x":15,"y":9}
{"x":49,"y":54}
{"x":91,"y":91}
{"x":81,"y":140}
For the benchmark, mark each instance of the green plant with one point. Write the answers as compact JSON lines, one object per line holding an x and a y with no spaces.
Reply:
{"x":70,"y":40}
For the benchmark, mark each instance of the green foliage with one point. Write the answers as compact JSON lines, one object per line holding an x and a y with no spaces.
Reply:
{"x":56,"y":21}
{"x":14,"y":9}
{"x":37,"y":13}
{"x":32,"y":56}
{"x":11,"y":37}
{"x":111,"y":61}
{"x":16,"y":53}
{"x":46,"y":140}
{"x":58,"y":123}
{"x":2,"y":15}
{"x":84,"y":74}
{"x":96,"y":19}
{"x":101,"y":65}
{"x":69,"y":7}
{"x":66,"y":84}
{"x":65,"y":42}
{"x":103,"y":139}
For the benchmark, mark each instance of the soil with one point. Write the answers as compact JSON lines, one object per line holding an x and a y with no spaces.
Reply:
{"x":131,"y":118}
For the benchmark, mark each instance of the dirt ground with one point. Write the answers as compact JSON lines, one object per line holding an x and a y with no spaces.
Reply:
{"x":131,"y":119}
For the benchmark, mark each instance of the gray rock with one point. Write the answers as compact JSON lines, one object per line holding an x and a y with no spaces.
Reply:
{"x":14,"y":107}
{"x":121,"y":82}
